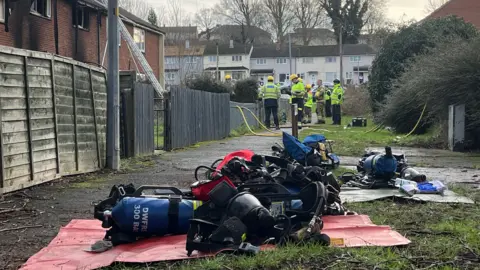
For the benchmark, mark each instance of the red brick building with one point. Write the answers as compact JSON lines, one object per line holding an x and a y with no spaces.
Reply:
{"x":469,"y":10}
{"x":49,"y":26}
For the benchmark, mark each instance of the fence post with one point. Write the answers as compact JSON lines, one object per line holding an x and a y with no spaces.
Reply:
{"x":94,"y":117}
{"x":167,"y":140}
{"x":2,"y":162}
{"x":294,"y":121}
{"x":29,"y":118}
{"x":75,"y":118}
{"x":54,"y":102}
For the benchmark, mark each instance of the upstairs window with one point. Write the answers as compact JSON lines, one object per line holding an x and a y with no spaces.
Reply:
{"x":83,"y":18}
{"x":170,"y":60}
{"x":355,"y":59}
{"x":212,"y":58}
{"x":330,"y":60}
{"x":308,"y":60}
{"x":42,"y":8}
{"x":2,"y":9}
{"x":236,"y":58}
{"x":139,"y":37}
{"x":191,"y":59}
{"x":261,"y":61}
{"x":281,"y":60}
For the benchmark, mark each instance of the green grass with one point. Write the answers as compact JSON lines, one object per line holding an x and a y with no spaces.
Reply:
{"x":444,"y":236}
{"x":353,"y":141}
{"x":158,"y":135}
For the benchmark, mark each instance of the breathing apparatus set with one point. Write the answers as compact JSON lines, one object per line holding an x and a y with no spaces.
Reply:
{"x":379,"y":170}
{"x":245,"y":201}
{"x":315,"y":150}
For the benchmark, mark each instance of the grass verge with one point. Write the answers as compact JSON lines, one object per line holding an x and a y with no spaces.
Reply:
{"x":353,"y":141}
{"x":444,"y":236}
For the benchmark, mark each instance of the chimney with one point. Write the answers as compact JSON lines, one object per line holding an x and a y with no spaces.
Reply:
{"x":187,"y":44}
{"x":231,"y":43}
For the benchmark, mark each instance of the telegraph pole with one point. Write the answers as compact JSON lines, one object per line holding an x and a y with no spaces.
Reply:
{"x":290,"y":52}
{"x":341,"y":54}
{"x":113,"y":93}
{"x":218,"y":74}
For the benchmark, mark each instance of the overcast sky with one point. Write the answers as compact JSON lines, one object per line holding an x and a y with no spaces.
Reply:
{"x":413,"y":9}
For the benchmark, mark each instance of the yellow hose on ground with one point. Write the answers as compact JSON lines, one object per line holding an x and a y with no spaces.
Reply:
{"x":249,"y":128}
{"x":256,"y":118}
{"x":418,"y":122}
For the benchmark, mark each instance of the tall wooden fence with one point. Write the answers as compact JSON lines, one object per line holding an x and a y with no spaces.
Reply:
{"x":195,"y":116}
{"x":53,"y":118}
{"x":136,"y":116}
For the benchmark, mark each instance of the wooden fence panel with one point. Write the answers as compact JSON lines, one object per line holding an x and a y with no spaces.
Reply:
{"x":86,"y":135}
{"x":52,"y":118}
{"x":14,"y":126}
{"x":197,"y":116}
{"x":42,"y":119}
{"x":64,"y":96}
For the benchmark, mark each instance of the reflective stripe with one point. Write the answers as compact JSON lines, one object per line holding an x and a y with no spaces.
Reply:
{"x":197,"y":204}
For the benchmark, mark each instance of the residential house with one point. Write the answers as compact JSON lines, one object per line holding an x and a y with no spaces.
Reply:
{"x":231,"y":59}
{"x":179,"y":34}
{"x":50,"y":26}
{"x":469,"y":10}
{"x":315,"y":37}
{"x":183,"y":62}
{"x":312,"y":62}
{"x":238,"y":33}
{"x":272,"y":60}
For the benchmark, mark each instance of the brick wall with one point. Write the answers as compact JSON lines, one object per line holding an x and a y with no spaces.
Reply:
{"x":469,"y":10}
{"x":37,"y":33}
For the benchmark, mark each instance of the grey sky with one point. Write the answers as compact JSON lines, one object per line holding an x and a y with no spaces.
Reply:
{"x":413,"y":9}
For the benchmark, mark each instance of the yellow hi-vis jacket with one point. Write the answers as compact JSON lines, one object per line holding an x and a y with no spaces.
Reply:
{"x":309,"y":100}
{"x":270,"y":91}
{"x":337,"y":95}
{"x":298,"y":90}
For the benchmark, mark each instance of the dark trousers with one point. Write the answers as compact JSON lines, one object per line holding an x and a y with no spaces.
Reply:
{"x":299,"y":102}
{"x":328,"y":108}
{"x":337,"y":114}
{"x":271,"y":110}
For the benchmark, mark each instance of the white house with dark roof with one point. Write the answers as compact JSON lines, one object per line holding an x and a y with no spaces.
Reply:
{"x":233,"y":60}
{"x":312,"y":62}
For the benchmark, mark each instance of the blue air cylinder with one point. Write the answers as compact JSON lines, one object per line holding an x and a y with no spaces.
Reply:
{"x":381,"y":165}
{"x":151,"y":216}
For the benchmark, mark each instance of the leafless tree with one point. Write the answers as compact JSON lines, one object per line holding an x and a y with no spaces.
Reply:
{"x":242,"y":12}
{"x":141,"y":9}
{"x":205,"y":20}
{"x":176,"y":15}
{"x":280,"y":17}
{"x":433,"y":5}
{"x":375,"y":16}
{"x":137,"y":7}
{"x":309,"y":14}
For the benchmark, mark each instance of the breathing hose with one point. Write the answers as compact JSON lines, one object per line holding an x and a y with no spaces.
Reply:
{"x":275,"y":134}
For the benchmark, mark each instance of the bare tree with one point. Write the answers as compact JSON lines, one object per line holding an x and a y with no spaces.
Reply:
{"x":309,"y":14}
{"x":137,"y":7}
{"x":280,"y":17}
{"x":375,"y":16}
{"x":433,"y":5}
{"x":205,"y":19}
{"x":242,"y":12}
{"x":142,"y":9}
{"x":176,"y":15}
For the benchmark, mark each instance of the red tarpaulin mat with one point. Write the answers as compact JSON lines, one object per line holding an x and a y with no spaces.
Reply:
{"x":67,"y":250}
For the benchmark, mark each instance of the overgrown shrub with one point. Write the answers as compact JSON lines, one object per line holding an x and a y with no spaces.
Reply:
{"x":208,"y":84}
{"x":447,"y":75}
{"x":245,"y":91}
{"x":409,"y":41}
{"x":357,"y":101}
